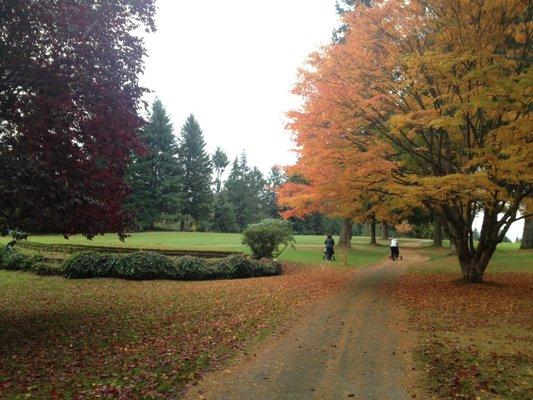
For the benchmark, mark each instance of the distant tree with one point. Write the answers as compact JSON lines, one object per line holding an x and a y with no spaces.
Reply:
{"x":197,"y":171}
{"x":155,"y":177}
{"x":275,"y":179}
{"x":224,"y":219}
{"x":69,"y":100}
{"x":245,"y":188}
{"x":220,"y":163}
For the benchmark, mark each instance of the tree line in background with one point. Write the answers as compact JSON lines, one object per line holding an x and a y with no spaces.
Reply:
{"x":176,"y":183}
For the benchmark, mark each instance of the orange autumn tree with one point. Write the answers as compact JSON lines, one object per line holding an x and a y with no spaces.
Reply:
{"x":447,"y":85}
{"x":341,"y":175}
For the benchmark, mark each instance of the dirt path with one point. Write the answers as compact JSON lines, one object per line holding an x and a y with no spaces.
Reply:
{"x":353,"y":345}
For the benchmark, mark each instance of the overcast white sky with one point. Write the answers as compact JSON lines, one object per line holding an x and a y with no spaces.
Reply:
{"x":232,"y":64}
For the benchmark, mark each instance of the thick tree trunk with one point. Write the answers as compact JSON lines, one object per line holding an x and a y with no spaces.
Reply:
{"x":527,"y":235}
{"x":384,"y":231}
{"x":437,"y":234}
{"x":474,"y":259}
{"x":473,"y":267}
{"x":345,"y":239}
{"x":373,"y":232}
{"x":182,"y":225}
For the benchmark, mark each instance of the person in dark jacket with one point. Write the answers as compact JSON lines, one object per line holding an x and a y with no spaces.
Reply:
{"x":330,"y":243}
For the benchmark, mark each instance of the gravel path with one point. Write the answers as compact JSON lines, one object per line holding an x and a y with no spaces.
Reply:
{"x":352,"y":345}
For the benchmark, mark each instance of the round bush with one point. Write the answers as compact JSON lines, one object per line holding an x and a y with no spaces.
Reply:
{"x":87,"y":264}
{"x":145,"y":265}
{"x":265,"y":237}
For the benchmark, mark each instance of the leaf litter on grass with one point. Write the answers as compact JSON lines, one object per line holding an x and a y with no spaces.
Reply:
{"x":475,"y":340}
{"x":108,"y":338}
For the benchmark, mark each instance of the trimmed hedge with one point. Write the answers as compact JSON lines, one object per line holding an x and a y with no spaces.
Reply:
{"x":11,"y":259}
{"x":232,"y":267}
{"x":87,"y":264}
{"x":42,"y":268}
{"x":77,"y":248}
{"x":141,"y":266}
{"x":144,"y":265}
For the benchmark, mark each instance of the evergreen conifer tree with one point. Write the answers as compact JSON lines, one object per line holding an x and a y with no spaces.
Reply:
{"x":275,"y":179}
{"x":245,"y":187}
{"x":224,"y":219}
{"x":155,"y":177}
{"x":220,"y":163}
{"x":197,"y":171}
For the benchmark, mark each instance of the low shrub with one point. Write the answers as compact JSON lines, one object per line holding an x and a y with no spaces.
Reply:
{"x":42,"y":268}
{"x":232,"y":267}
{"x":141,"y":265}
{"x":144,"y":265}
{"x":265,"y":237}
{"x":88,"y":264}
{"x":13,"y":260}
{"x":190,"y":268}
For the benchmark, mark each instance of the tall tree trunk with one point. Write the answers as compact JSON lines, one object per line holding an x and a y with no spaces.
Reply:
{"x":527,"y":234}
{"x":373,"y":232}
{"x":346,"y":233}
{"x":437,"y":233}
{"x":384,"y":231}
{"x":182,"y":225}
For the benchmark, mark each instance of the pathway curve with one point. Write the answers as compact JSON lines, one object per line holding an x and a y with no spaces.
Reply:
{"x":352,"y":345}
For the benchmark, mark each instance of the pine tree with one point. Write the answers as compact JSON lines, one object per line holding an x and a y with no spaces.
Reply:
{"x":197,"y":171}
{"x":275,"y":179}
{"x":220,"y":163}
{"x":155,"y":177}
{"x":224,"y":219}
{"x":245,"y":188}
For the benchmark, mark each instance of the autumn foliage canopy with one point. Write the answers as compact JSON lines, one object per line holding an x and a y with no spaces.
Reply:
{"x":423,"y":104}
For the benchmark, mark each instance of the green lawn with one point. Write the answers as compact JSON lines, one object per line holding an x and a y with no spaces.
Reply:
{"x":308,"y":249}
{"x":507,"y":258}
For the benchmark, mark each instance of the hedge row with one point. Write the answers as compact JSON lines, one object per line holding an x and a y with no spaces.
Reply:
{"x":76,"y":248}
{"x":141,"y":266}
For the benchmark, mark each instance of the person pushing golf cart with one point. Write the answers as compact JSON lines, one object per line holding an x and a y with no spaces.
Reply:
{"x":394,"y":250}
{"x":328,"y":250}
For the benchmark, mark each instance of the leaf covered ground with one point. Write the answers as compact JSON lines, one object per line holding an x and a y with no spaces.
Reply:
{"x":475,"y":341}
{"x":115,"y":339}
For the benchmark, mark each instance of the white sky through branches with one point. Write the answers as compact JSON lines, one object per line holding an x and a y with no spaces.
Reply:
{"x":232,"y":63}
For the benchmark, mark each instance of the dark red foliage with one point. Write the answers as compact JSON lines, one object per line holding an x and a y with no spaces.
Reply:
{"x":69,"y":100}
